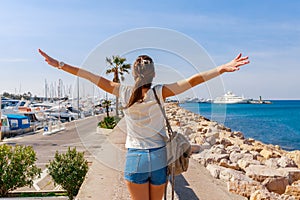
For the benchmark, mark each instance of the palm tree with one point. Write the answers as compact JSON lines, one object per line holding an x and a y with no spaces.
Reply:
{"x":117,"y":67}
{"x":106,"y":104}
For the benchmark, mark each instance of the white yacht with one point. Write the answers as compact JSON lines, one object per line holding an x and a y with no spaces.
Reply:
{"x":230,"y":98}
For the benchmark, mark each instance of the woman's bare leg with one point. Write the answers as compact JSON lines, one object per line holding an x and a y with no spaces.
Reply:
{"x":138,"y":191}
{"x":157,"y":191}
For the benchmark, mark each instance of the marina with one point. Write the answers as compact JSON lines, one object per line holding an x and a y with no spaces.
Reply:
{"x":24,"y":116}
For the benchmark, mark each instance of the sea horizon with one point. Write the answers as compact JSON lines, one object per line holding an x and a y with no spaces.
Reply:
{"x":275,"y":123}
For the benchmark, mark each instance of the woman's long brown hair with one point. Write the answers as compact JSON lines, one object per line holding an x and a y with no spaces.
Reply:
{"x":143,"y":73}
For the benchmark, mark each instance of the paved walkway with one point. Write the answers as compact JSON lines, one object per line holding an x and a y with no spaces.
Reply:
{"x":107,"y":183}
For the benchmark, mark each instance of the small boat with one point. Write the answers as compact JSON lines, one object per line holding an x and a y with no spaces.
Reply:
{"x":260,"y":101}
{"x":230,"y":98}
{"x":14,"y":124}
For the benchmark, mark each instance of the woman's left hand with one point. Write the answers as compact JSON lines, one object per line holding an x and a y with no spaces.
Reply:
{"x":235,"y":64}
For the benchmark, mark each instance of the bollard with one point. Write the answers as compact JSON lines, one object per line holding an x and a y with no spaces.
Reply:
{"x":50,"y":126}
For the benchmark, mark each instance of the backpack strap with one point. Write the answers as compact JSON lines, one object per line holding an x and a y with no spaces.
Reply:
{"x":170,"y":134}
{"x":170,"y":131}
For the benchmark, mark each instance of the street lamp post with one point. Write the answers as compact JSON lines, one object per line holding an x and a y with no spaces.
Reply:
{"x":78,"y":97}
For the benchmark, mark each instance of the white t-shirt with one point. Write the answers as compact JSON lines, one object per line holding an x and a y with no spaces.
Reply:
{"x":144,"y":120}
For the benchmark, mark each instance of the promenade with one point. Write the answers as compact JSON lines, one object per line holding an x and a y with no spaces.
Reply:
{"x":106,"y":182}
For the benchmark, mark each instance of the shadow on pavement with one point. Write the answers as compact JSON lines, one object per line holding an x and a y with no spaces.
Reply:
{"x":183,"y":190}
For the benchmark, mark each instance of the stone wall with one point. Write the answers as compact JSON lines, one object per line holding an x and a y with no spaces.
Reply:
{"x":251,"y":168}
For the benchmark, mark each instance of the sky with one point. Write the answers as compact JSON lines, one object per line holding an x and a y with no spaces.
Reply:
{"x":268,"y":31}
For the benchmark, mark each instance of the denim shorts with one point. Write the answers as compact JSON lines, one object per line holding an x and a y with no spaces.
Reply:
{"x":146,"y":165}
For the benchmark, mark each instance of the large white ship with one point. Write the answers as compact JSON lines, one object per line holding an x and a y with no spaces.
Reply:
{"x":230,"y":98}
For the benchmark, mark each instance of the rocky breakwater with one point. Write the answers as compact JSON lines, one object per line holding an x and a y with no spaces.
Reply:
{"x":251,"y":168}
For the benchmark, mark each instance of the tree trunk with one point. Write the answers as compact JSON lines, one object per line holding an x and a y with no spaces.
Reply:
{"x":107,"y":110}
{"x":117,"y":80}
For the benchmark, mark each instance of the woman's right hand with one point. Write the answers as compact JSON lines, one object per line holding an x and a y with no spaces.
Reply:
{"x":51,"y":61}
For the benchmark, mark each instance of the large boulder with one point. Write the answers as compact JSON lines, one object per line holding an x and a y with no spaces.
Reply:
{"x":236,"y":156}
{"x":243,"y":163}
{"x":237,"y":134}
{"x":196,"y":148}
{"x":291,"y":172}
{"x":198,"y":139}
{"x":225,"y":142}
{"x":266,"y":195}
{"x":228,"y":174}
{"x":295,"y":155}
{"x":228,"y":164}
{"x":212,"y":139}
{"x":272,"y":163}
{"x":209,"y":156}
{"x":266,"y":153}
{"x":277,"y":185}
{"x":286,"y":162}
{"x":218,"y":149}
{"x":261,"y":172}
{"x":233,"y":148}
{"x":214,"y":170}
{"x":244,"y":187}
{"x":293,"y":190}
{"x":187,"y":130}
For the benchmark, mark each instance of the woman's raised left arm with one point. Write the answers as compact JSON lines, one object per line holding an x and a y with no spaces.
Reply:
{"x":185,"y":84}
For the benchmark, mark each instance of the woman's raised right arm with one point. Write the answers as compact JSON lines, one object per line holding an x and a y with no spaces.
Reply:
{"x":107,"y":85}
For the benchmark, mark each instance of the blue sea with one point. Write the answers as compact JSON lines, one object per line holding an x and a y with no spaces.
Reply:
{"x":277,"y":123}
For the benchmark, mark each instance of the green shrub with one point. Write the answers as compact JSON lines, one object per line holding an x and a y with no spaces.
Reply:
{"x":109,"y":122}
{"x":69,"y":170}
{"x":17,"y":168}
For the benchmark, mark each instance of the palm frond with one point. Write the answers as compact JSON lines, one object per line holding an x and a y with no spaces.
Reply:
{"x":116,"y":60}
{"x":109,"y":71}
{"x":122,"y":60}
{"x":109,"y":61}
{"x":125,"y":67}
{"x":124,"y":70}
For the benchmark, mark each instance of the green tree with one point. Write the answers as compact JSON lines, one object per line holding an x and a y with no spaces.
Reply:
{"x":6,"y":94}
{"x":109,"y":122}
{"x":17,"y":168}
{"x":106,"y":104}
{"x":69,"y":170}
{"x":117,"y":67}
